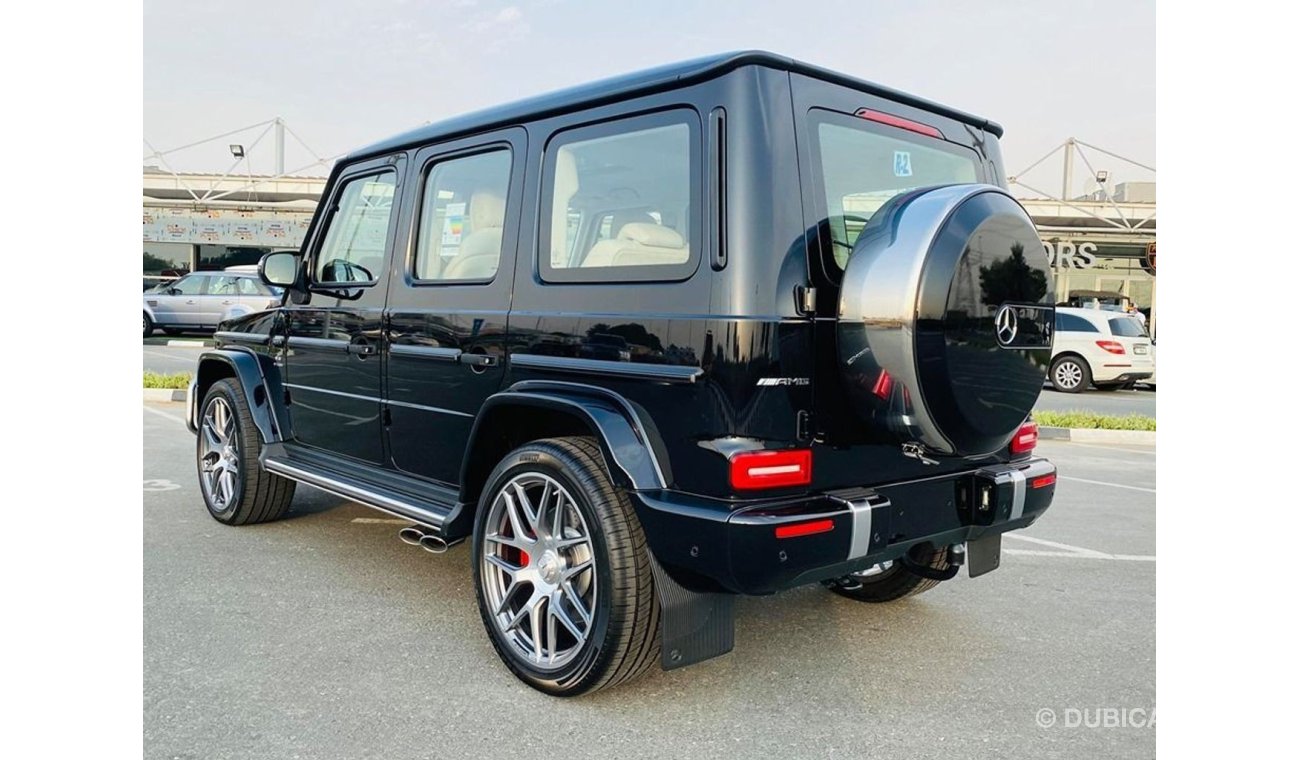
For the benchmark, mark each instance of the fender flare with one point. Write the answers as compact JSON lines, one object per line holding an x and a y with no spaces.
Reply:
{"x":259,"y":379}
{"x":633,"y":451}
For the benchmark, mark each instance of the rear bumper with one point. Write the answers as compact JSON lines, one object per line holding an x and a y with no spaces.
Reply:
{"x":711,"y":545}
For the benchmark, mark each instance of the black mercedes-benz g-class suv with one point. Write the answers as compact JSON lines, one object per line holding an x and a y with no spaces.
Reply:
{"x":724,"y":327}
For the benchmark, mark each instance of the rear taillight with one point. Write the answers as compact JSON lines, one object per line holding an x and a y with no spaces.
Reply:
{"x":884,"y":384}
{"x":771,"y":469}
{"x":1111,"y":346}
{"x":880,"y":117}
{"x":1026,"y":438}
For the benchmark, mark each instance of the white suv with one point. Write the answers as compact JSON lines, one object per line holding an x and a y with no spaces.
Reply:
{"x":1104,"y":349}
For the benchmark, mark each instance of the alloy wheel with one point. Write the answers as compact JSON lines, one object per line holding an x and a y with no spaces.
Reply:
{"x":219,"y":455}
{"x":1068,"y":375}
{"x":538,"y":570}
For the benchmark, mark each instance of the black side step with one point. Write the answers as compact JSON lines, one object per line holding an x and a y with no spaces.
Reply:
{"x":399,"y":495}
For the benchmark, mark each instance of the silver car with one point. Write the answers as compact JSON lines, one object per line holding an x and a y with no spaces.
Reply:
{"x":202,"y":300}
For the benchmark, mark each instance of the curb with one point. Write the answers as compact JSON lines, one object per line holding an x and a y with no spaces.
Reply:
{"x":163,"y":394}
{"x":1090,"y":435}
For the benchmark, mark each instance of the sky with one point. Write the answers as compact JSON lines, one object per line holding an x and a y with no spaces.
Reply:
{"x":346,"y":74}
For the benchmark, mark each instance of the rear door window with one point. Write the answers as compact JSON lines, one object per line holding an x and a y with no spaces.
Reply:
{"x":863,"y":164}
{"x":1071,"y":323}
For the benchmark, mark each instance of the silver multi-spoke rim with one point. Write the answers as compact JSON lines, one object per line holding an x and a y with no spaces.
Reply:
{"x":538,"y":569}
{"x":219,"y":455}
{"x":1068,"y":375}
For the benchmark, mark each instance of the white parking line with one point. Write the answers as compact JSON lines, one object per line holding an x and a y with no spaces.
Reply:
{"x":1071,"y":555}
{"x":1075,"y":552}
{"x":1104,"y":483}
{"x":1122,"y":448}
{"x":161,"y":413}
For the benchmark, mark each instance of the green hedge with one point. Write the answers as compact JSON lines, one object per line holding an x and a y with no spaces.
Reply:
{"x":1078,"y":419}
{"x":177,"y":381}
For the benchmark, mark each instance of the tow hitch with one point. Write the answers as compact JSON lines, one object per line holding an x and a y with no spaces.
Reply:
{"x":956,"y":558}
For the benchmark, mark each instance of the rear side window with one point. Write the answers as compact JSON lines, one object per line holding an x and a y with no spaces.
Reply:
{"x":1126,"y":327}
{"x":356,"y":240}
{"x":1071,"y":323}
{"x":864,"y":165}
{"x":462,"y":217}
{"x":623,"y":200}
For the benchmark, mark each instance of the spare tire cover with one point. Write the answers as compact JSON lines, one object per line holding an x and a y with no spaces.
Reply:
{"x":945,"y":319}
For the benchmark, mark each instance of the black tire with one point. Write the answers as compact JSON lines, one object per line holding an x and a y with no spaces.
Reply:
{"x":256,"y":496}
{"x":622,"y":639}
{"x":148,"y":325}
{"x":895,"y":582}
{"x":1081,"y":374}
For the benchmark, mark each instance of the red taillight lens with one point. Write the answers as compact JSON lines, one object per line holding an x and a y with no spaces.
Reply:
{"x":771,"y":469}
{"x":1026,"y":438}
{"x":1044,"y":481}
{"x":1111,"y":346}
{"x":884,"y":384}
{"x":805,"y":528}
{"x":880,"y":117}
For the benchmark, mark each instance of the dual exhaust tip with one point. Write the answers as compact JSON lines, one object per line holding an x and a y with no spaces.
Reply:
{"x":416,"y":535}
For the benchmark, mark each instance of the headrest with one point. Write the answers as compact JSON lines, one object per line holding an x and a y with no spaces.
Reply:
{"x":653,"y":235}
{"x":486,"y":210}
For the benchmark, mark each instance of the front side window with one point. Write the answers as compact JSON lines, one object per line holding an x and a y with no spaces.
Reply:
{"x":462,"y":218}
{"x":188,"y":286}
{"x":623,"y":204}
{"x":356,"y":240}
{"x":864,"y":165}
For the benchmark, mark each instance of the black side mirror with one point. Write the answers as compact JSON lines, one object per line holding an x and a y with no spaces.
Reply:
{"x":279,"y":269}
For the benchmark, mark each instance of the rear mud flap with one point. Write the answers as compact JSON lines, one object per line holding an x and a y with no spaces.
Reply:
{"x":983,"y":555}
{"x":694,"y":626}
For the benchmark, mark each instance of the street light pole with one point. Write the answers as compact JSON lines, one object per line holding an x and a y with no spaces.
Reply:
{"x":279,"y":146}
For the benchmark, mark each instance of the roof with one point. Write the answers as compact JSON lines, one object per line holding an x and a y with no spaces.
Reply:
{"x":643,"y":83}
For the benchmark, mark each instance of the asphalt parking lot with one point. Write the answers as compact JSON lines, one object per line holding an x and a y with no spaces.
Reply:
{"x":323,"y":636}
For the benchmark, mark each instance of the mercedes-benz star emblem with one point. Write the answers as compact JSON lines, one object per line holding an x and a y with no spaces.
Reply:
{"x":1005,"y":324}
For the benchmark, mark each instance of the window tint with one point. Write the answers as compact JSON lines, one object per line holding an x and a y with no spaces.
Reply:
{"x":1072,"y":323}
{"x":1126,"y":327}
{"x":864,"y":165}
{"x":189,"y":286}
{"x":357,"y":237}
{"x":622,"y":202}
{"x":462,"y":217}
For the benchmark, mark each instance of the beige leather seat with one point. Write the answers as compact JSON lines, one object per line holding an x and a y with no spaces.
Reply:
{"x":480,"y":249}
{"x":566,"y":186}
{"x":640,"y":244}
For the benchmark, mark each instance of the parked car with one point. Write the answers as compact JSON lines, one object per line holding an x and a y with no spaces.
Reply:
{"x":650,"y":344}
{"x":1103,"y":349}
{"x":202,"y":300}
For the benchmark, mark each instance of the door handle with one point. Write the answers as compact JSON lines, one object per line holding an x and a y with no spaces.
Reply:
{"x":226,"y":303}
{"x":361,"y":349}
{"x":477,"y":360}
{"x":190,"y":301}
